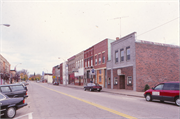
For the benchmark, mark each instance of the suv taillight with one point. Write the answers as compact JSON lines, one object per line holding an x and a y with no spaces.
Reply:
{"x":26,"y":92}
{"x":23,"y":101}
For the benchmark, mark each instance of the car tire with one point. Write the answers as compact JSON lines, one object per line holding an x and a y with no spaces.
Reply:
{"x":177,"y":101}
{"x":10,"y":112}
{"x":84,"y":89}
{"x":148,"y":97}
{"x":90,"y":89}
{"x":99,"y":90}
{"x":161,"y":101}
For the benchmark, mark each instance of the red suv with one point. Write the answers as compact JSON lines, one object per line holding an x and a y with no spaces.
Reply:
{"x":168,"y":91}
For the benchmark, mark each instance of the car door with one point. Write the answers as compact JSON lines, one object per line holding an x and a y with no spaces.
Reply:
{"x":170,"y":90}
{"x":7,"y":91}
{"x":157,"y":92}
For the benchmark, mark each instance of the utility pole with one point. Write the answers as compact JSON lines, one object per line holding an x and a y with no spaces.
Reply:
{"x":120,"y":23}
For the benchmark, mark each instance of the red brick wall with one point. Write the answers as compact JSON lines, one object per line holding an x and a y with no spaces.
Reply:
{"x":155,"y":64}
{"x":99,"y":48}
{"x":127,"y":71}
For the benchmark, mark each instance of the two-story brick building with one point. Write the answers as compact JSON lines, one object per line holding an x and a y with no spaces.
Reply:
{"x":101,"y":56}
{"x":136,"y":63}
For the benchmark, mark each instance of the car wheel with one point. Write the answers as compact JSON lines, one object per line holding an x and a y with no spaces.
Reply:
{"x":90,"y":89}
{"x":148,"y":97}
{"x":177,"y":101}
{"x":10,"y":112}
{"x":99,"y":90}
{"x":161,"y":101}
{"x":84,"y":89}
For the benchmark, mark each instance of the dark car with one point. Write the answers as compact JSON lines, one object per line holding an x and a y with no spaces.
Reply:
{"x":10,"y":105}
{"x":168,"y":91}
{"x":55,"y":83}
{"x":11,"y":90}
{"x":93,"y":87}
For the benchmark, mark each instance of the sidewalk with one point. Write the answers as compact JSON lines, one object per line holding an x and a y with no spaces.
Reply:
{"x":115,"y":91}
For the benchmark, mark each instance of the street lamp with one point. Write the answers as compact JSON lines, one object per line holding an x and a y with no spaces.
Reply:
{"x":7,"y":25}
{"x":16,"y":66}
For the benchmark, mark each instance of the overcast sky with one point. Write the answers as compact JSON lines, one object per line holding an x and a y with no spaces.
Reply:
{"x":41,"y":30}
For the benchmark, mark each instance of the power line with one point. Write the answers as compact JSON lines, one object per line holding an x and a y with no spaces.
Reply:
{"x":159,"y":26}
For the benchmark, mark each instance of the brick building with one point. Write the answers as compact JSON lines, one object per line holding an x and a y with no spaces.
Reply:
{"x":71,"y":66}
{"x":61,"y":73}
{"x":79,"y":69}
{"x":4,"y":70}
{"x":101,"y":56}
{"x":88,"y":65}
{"x":134,"y":63}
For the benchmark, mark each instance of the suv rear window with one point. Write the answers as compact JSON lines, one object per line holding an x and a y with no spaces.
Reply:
{"x":171,"y":86}
{"x":16,"y":88}
{"x":5,"y":89}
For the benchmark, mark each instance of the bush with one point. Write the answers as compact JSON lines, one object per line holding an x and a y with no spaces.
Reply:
{"x":146,"y":87}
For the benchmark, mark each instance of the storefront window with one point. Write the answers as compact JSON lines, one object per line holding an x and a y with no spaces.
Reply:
{"x":115,"y":80}
{"x":129,"y":80}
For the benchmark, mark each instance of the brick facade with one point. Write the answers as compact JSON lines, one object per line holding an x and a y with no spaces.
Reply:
{"x":155,"y":64}
{"x":126,"y":72}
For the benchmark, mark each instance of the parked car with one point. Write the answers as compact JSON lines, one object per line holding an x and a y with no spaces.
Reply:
{"x":25,"y":83}
{"x":11,"y":90}
{"x":10,"y":105}
{"x":55,"y":83}
{"x":168,"y":91}
{"x":93,"y":87}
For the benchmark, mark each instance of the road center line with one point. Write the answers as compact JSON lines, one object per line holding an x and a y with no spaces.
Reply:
{"x":94,"y":104}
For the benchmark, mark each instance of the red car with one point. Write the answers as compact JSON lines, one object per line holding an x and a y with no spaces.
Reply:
{"x":92,"y":87}
{"x":168,"y":91}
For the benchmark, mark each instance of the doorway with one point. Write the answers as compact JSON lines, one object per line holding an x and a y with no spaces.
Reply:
{"x":79,"y":80}
{"x":122,"y":81}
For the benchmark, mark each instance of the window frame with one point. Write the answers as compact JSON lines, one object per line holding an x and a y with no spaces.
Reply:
{"x":121,"y":57}
{"x":128,"y":80}
{"x":128,"y":56}
{"x":116,"y":58}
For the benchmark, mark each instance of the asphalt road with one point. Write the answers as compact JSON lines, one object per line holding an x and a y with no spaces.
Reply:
{"x":57,"y":102}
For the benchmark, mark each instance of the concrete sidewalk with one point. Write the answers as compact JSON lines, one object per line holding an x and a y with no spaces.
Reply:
{"x":114,"y":91}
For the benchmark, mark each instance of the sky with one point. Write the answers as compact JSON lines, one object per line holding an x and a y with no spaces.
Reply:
{"x":42,"y":30}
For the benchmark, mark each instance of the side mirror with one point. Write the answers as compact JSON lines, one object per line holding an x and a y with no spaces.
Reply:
{"x":25,"y":88}
{"x":153,"y":88}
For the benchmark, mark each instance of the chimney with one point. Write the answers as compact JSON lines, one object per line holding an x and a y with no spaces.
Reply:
{"x":117,"y":38}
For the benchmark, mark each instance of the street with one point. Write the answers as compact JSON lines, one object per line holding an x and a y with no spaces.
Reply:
{"x":47,"y":101}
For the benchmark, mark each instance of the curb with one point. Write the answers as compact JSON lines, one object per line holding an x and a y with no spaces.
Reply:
{"x":106,"y":91}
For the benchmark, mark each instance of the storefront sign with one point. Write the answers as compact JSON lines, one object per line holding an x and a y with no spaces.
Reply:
{"x":119,"y":72}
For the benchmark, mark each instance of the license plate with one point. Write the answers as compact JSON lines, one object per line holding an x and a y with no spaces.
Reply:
{"x":98,"y":89}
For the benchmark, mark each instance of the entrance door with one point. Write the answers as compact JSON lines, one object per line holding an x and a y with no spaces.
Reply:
{"x":79,"y":80}
{"x":122,"y":81}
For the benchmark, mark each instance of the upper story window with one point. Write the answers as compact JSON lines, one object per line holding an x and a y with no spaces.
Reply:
{"x":128,"y":53}
{"x":116,"y":56}
{"x":122,"y":54}
{"x":96,"y":60}
{"x":88,"y":62}
{"x":99,"y":58}
{"x":99,"y":71}
{"x":91,"y":61}
{"x":103,"y":58}
{"x":85,"y":63}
